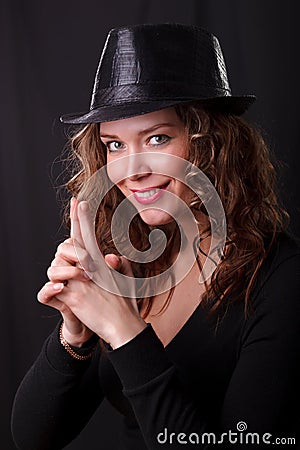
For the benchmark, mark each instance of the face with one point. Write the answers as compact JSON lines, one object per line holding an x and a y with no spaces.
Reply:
{"x":156,"y":132}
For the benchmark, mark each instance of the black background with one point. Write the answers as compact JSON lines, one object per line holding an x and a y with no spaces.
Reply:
{"x":49,"y":54}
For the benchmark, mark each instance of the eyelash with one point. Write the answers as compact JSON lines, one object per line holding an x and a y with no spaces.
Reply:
{"x":165,"y":141}
{"x":165,"y":136}
{"x":108,"y":144}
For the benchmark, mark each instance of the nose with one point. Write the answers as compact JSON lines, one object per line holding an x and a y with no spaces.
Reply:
{"x":135,"y":165}
{"x":138,"y":166}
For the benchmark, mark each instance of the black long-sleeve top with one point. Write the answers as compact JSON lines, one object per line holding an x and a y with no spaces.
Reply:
{"x":209,"y":384}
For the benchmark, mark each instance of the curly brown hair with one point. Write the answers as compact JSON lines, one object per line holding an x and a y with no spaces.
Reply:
{"x":234,"y":156}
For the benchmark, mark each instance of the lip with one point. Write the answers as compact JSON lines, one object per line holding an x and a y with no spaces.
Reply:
{"x":149,"y":188}
{"x":146,"y":200}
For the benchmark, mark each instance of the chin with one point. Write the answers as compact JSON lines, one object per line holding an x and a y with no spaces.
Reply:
{"x":156,"y":217}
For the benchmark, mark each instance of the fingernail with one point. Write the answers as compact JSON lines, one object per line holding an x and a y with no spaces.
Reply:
{"x":84,"y":206}
{"x":58,"y":286}
{"x":87,"y":275}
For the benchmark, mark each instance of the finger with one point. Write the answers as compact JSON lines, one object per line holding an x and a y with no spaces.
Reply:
{"x":126,"y":269}
{"x":88,"y":230}
{"x":58,"y":261}
{"x":102,"y":275}
{"x":59,"y":306}
{"x":60,"y":274}
{"x":75,"y":231}
{"x":72,"y":253}
{"x":66,"y":251}
{"x":48,"y":296}
{"x":76,"y":235}
{"x":119,"y":263}
{"x":49,"y":291}
{"x":123,"y":266}
{"x":113,"y":261}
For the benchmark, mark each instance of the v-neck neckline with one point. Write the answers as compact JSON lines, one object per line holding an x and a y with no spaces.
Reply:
{"x":183,"y":327}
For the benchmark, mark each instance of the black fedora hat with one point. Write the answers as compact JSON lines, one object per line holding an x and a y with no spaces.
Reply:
{"x":144,"y":68}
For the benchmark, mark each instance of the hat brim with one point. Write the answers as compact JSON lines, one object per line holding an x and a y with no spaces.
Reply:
{"x":228,"y":104}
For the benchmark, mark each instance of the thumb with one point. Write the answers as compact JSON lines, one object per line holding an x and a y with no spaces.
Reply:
{"x":119,"y":263}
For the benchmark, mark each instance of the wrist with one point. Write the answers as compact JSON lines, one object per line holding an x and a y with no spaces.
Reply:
{"x":76,"y":353}
{"x":124,"y":334}
{"x":77,"y":340}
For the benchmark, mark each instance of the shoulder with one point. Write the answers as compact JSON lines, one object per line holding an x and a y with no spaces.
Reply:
{"x":286,"y":246}
{"x":282,"y":261}
{"x":277,"y":293}
{"x":274,"y":314}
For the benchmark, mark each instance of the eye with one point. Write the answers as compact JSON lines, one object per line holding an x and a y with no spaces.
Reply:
{"x":159,"y":139}
{"x":114,"y":146}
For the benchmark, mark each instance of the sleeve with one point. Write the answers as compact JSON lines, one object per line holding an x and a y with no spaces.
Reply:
{"x":56,"y":398}
{"x":263,"y":391}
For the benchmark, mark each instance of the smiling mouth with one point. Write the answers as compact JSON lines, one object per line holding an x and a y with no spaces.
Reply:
{"x":150,"y":194}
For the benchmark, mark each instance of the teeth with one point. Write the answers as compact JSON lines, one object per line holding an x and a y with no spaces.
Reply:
{"x":146,"y":193}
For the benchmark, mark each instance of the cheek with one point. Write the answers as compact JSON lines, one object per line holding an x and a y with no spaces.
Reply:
{"x":182,"y":149}
{"x":121,"y":186}
{"x":115,"y":170}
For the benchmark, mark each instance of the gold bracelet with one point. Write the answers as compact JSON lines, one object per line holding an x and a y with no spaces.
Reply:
{"x":69,"y":349}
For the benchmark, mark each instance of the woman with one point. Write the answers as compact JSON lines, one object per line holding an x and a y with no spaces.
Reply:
{"x":204,"y":361}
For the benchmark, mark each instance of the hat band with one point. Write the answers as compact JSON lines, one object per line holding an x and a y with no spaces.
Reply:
{"x":153,"y":92}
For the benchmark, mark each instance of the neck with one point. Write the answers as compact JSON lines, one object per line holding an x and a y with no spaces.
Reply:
{"x":172,"y":233}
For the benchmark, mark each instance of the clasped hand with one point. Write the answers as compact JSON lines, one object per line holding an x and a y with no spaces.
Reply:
{"x":87,"y":308}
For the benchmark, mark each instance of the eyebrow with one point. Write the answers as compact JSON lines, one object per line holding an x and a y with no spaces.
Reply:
{"x":142,"y":132}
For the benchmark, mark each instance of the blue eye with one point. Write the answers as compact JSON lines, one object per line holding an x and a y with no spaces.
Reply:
{"x":114,"y":146}
{"x":159,"y":139}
